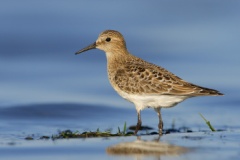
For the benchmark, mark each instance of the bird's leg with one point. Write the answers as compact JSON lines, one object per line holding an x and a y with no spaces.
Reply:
{"x":160,"y":124}
{"x":139,"y":123}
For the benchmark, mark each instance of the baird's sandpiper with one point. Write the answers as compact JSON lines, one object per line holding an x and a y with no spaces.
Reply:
{"x":143,"y":83}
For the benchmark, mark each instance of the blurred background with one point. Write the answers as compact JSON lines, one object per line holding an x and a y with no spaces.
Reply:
{"x":197,"y":40}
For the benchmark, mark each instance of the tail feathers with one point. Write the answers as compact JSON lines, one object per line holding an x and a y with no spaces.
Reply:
{"x":209,"y":92}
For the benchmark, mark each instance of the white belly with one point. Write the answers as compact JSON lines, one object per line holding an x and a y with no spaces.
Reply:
{"x":153,"y":101}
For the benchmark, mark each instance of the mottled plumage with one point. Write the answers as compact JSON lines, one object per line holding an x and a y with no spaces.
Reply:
{"x":141,"y":82}
{"x":140,"y":77}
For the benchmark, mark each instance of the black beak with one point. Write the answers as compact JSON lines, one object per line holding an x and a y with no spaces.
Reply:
{"x":92,"y":46}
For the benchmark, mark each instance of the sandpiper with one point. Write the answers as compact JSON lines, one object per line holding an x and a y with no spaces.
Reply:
{"x":143,"y":83}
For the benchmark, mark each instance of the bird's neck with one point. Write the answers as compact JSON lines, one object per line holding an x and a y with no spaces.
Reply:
{"x":116,"y":60}
{"x":117,"y":57}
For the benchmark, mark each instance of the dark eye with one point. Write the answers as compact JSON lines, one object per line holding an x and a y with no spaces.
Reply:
{"x":108,"y":39}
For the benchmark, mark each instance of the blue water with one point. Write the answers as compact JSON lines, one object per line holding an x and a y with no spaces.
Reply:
{"x":44,"y":87}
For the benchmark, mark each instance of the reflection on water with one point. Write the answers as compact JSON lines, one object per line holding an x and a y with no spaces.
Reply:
{"x":141,"y":148}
